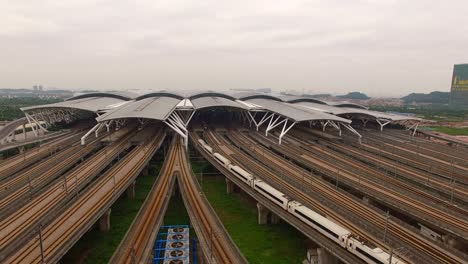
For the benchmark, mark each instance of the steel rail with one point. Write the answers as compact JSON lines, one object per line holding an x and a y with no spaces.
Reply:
{"x":423,"y":162}
{"x":18,"y":162}
{"x":217,"y":245}
{"x":135,"y":247}
{"x":424,"y":147}
{"x":345,"y":163}
{"x":21,"y":222}
{"x":408,"y":172}
{"x":60,"y":235}
{"x":33,"y":180}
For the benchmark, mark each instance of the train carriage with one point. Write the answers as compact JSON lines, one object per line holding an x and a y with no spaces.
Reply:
{"x":271,"y":193}
{"x":370,"y":255}
{"x":242,"y":174}
{"x":320,"y":223}
{"x":222,"y":160}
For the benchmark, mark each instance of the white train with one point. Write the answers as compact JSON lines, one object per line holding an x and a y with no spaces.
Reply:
{"x":241,"y":174}
{"x":222,"y":160}
{"x":271,"y":193}
{"x":320,"y":223}
{"x":326,"y":227}
{"x":206,"y":146}
{"x":370,"y":254}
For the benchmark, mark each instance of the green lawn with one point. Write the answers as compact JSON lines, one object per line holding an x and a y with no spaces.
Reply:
{"x":97,"y":247}
{"x":451,"y":131}
{"x":259,"y":243}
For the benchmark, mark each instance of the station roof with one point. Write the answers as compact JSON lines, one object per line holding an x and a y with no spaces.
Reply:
{"x":212,"y":101}
{"x":340,"y":111}
{"x":210,"y":94}
{"x":92,"y":104}
{"x":252,"y":95}
{"x":345,"y":104}
{"x":162,"y":93}
{"x":158,"y":108}
{"x":118,"y":95}
{"x":296,"y":99}
{"x":160,"y":104}
{"x":295,"y":113}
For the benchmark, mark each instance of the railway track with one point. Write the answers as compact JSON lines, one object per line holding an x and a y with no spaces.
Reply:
{"x":346,"y":162}
{"x":445,"y":170}
{"x":412,"y":174}
{"x":430,"y":147}
{"x":418,"y":243}
{"x":339,"y":167}
{"x":18,"y":162}
{"x":420,"y":149}
{"x":314,"y":235}
{"x":136,"y":246}
{"x":25,"y":185}
{"x":18,"y":225}
{"x":215,"y":241}
{"x":403,"y":171}
{"x":60,"y":235}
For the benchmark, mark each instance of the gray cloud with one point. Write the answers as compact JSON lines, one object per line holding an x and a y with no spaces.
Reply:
{"x":382,"y":47}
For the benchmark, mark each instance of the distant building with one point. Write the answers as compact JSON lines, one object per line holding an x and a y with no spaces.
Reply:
{"x":459,"y":90}
{"x":35,"y":93}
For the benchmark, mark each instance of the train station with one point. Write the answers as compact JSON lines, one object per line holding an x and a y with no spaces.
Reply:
{"x":361,"y":186}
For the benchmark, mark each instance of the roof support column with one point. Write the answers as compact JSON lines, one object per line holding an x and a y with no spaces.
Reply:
{"x":34,"y":124}
{"x":337,"y":126}
{"x":31,"y":124}
{"x":252,"y":119}
{"x":41,"y":115}
{"x":101,"y":125}
{"x":364,"y":122}
{"x":350,"y":128}
{"x":83,"y":138}
{"x":285,"y":130}
{"x":38,"y":123}
{"x":175,"y":122}
{"x":263,"y":120}
{"x":190,"y":118}
{"x":415,"y":127}
{"x":324,"y":124}
{"x":382,"y":123}
{"x":108,"y":124}
{"x":120,"y":123}
{"x":272,"y":124}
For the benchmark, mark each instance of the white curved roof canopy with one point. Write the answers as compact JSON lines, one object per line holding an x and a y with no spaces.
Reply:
{"x":345,"y":104}
{"x":340,"y":111}
{"x":119,"y":95}
{"x":296,"y":113}
{"x":207,"y":102}
{"x":92,"y":104}
{"x":158,"y":108}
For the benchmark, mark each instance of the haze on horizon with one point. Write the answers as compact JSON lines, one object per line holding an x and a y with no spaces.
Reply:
{"x":380,"y":47}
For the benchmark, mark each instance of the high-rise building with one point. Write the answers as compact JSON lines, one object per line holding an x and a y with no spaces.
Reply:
{"x":459,"y":90}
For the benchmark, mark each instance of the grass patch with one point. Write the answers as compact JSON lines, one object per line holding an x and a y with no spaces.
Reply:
{"x":259,"y":243}
{"x":176,"y":213}
{"x":453,"y":131}
{"x":97,"y":247}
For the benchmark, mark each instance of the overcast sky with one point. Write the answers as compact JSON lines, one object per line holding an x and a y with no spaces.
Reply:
{"x":381,"y":47}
